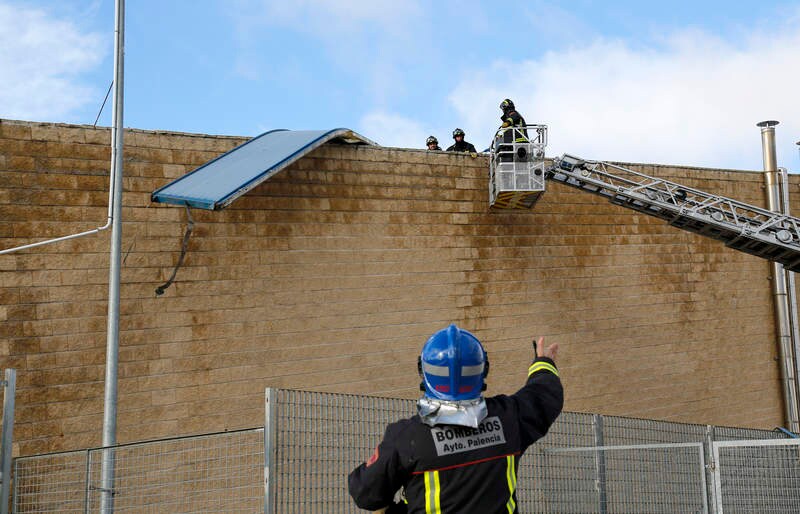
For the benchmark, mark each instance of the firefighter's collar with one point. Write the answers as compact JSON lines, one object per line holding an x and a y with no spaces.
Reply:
{"x":467,"y":413}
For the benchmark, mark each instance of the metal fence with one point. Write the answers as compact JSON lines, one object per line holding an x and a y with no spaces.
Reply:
{"x":588,"y":463}
{"x":664,"y":478}
{"x":211,"y":473}
{"x":299,"y":463}
{"x":757,"y":476}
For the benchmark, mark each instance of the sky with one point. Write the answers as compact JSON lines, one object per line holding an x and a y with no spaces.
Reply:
{"x":675,"y":82}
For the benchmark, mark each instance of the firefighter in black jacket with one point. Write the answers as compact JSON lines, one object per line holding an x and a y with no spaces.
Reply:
{"x":461,"y":453}
{"x":460,"y":145}
{"x":511,"y":119}
{"x":433,"y":144}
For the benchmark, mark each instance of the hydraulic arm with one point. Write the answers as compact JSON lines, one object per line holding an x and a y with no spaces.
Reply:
{"x":740,"y":226}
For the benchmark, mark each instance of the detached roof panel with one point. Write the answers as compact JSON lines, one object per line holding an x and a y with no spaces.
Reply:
{"x":216,"y":184}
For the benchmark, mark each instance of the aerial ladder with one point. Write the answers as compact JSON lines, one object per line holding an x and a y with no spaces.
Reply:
{"x":518,"y":172}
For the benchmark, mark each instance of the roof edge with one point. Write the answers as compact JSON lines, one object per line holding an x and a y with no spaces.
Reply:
{"x":344,"y":135}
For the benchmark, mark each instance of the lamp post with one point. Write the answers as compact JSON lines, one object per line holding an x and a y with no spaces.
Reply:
{"x":115,"y":258}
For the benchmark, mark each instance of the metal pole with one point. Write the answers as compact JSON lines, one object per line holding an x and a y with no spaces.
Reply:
{"x":791,"y":289}
{"x":779,"y":289}
{"x":10,"y":384}
{"x":269,"y":450}
{"x":708,"y":445}
{"x":88,"y":482}
{"x":115,"y":259}
{"x":600,"y":465}
{"x":717,"y":477}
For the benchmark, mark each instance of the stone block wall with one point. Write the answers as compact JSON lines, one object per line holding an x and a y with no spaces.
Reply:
{"x":331,"y":275}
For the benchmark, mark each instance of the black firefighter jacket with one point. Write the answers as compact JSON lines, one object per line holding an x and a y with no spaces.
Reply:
{"x":454,"y":469}
{"x":514,"y":119}
{"x":463,"y":146}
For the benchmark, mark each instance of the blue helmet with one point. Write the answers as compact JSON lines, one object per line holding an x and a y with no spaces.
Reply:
{"x":453,"y":365}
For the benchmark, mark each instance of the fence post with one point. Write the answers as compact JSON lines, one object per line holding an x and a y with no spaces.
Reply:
{"x":600,"y":464}
{"x":715,"y":473}
{"x":107,"y":487}
{"x":269,"y":450}
{"x":88,"y":485}
{"x":711,"y":465}
{"x":6,"y":449}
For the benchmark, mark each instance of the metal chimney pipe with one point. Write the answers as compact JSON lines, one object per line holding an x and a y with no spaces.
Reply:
{"x":779,"y":288}
{"x":768,"y":145}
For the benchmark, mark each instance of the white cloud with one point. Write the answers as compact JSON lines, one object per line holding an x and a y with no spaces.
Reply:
{"x":396,"y":130}
{"x":694,"y":99}
{"x":390,"y":129}
{"x":41,"y":60}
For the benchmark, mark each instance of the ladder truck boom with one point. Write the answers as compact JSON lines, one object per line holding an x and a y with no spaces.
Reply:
{"x":741,"y":226}
{"x":748,"y":228}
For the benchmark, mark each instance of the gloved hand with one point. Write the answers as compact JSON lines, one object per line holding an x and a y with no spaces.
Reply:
{"x":539,"y":349}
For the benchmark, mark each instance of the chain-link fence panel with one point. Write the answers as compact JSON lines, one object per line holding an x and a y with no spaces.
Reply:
{"x":51,"y":483}
{"x":757,"y":476}
{"x":738,"y":434}
{"x":544,"y":480}
{"x":211,"y":473}
{"x":626,"y":431}
{"x":318,"y":439}
{"x":655,"y":478}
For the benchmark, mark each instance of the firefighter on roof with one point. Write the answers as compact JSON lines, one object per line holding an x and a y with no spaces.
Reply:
{"x":460,"y":145}
{"x":461,"y":452}
{"x":433,"y":144}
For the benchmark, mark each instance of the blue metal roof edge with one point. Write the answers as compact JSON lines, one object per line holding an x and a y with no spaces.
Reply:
{"x":228,"y":198}
{"x":296,"y":155}
{"x":199,"y":203}
{"x":153,"y":197}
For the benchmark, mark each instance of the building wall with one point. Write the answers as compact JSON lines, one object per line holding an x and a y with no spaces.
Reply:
{"x":331,"y":275}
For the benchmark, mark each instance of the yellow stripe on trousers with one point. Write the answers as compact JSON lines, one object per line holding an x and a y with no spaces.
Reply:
{"x":432,"y":490}
{"x":511,"y":477}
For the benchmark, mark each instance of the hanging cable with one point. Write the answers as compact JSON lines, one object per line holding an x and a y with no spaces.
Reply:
{"x":104,"y":103}
{"x":184,"y":246}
